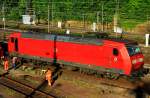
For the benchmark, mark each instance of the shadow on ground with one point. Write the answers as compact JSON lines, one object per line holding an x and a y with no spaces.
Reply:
{"x":142,"y":90}
{"x":1,"y":96}
{"x":56,"y":73}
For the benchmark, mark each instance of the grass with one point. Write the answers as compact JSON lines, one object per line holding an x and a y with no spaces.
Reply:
{"x":83,"y":85}
{"x":79,"y":82}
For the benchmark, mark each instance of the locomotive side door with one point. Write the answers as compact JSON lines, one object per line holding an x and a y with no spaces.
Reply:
{"x":14,"y":44}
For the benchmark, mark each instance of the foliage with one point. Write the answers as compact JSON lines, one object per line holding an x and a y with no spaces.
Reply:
{"x":88,"y":10}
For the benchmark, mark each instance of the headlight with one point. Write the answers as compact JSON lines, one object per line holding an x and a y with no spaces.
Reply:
{"x":141,"y":60}
{"x":134,"y":61}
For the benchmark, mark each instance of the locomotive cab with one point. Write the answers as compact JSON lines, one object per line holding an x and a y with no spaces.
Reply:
{"x":129,"y":58}
{"x":136,"y":56}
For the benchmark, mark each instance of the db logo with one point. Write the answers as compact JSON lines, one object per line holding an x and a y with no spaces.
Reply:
{"x":115,"y":59}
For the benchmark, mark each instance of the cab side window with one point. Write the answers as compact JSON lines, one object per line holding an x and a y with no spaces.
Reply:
{"x":115,"y":52}
{"x":12,"y":39}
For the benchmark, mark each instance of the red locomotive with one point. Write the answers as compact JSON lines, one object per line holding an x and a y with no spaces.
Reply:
{"x":112,"y":56}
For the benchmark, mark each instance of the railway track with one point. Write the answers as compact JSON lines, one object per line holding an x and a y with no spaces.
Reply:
{"x":111,"y":86}
{"x":121,"y":82}
{"x":27,"y":90}
{"x":35,"y":92}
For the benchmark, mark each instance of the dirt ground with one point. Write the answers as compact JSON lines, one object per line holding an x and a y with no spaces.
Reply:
{"x":67,"y":86}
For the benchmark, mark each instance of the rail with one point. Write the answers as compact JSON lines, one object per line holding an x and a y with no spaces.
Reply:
{"x":24,"y":89}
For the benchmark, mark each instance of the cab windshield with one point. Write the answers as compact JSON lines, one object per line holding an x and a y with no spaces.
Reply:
{"x":132,"y":50}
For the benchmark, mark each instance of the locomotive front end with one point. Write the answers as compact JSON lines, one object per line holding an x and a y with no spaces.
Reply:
{"x":137,"y":60}
{"x":136,"y":56}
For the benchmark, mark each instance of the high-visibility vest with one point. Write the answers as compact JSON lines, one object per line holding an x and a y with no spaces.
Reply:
{"x":6,"y":63}
{"x":48,"y":75}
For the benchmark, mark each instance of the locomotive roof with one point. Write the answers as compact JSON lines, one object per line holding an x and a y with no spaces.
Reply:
{"x":125,"y":41}
{"x":64,"y":38}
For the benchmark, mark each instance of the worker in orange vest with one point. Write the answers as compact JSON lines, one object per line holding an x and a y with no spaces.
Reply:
{"x":6,"y":64}
{"x":49,"y":77}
